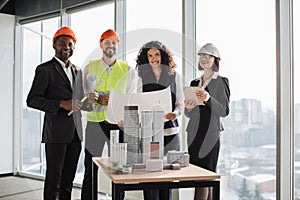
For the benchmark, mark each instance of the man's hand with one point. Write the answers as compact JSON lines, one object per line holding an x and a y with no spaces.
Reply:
{"x":92,"y":97}
{"x":103,"y":99}
{"x":71,"y":104}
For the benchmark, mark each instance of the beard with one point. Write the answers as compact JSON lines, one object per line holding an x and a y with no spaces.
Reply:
{"x":63,"y":55}
{"x":109,"y":54}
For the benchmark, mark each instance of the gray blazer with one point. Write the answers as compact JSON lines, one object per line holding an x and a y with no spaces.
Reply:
{"x":218,"y":106}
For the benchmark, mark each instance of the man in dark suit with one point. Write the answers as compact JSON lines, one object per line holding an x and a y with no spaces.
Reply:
{"x":56,"y":90}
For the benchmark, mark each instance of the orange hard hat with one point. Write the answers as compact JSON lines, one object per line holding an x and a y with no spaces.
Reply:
{"x":109,"y":34}
{"x":65,"y":31}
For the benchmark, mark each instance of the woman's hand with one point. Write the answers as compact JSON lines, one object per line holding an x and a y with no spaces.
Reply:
{"x":190,"y":104}
{"x":203,"y":95}
{"x":121,"y":124}
{"x":170,"y":116}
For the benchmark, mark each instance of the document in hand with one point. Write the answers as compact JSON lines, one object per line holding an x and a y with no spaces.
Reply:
{"x":156,"y":100}
{"x":190,"y":93}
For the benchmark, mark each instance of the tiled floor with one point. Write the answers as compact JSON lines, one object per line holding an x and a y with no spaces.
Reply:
{"x":20,"y":188}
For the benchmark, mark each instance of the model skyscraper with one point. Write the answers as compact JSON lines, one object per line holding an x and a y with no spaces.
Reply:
{"x":146,"y":133}
{"x":158,"y":130}
{"x":140,"y":136}
{"x":132,"y":133}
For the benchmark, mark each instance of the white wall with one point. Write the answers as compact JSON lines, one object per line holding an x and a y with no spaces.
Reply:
{"x":7,"y":27}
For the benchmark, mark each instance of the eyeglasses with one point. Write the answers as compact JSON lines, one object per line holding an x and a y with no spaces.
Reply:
{"x":206,"y":56}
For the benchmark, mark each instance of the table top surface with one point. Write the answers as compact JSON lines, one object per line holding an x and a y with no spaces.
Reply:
{"x":189,"y":173}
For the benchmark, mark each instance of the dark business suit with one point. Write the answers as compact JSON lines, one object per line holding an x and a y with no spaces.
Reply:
{"x":61,"y":133}
{"x":204,"y":127}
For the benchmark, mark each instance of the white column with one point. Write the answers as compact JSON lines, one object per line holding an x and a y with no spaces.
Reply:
{"x":7,"y":81}
{"x":285,"y":103}
{"x":120,"y":26}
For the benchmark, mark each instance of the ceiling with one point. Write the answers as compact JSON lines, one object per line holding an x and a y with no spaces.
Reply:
{"x":7,"y":7}
{"x":25,"y":9}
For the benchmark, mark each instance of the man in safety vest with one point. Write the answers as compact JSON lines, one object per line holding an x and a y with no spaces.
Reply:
{"x":105,"y":74}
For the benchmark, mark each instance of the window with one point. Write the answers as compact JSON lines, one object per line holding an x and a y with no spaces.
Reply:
{"x":87,"y":47}
{"x":165,"y":21}
{"x":296,"y":28}
{"x":37,"y":47}
{"x":247,"y":43}
{"x":88,"y":26}
{"x":243,"y":31}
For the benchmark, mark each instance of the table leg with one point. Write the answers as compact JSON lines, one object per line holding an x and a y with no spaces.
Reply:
{"x":94,"y":182}
{"x":116,"y":191}
{"x":216,"y":191}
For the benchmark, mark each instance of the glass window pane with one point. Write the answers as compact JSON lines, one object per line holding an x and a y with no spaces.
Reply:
{"x":31,"y":142}
{"x":247,"y":160}
{"x":49,"y":27}
{"x":88,"y":26}
{"x":162,"y":21}
{"x":34,"y":26}
{"x":37,"y":46}
{"x":296,"y":29}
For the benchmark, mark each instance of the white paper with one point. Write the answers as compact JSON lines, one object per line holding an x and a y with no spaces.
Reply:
{"x":156,"y":100}
{"x":189,"y":94}
{"x":90,"y":82}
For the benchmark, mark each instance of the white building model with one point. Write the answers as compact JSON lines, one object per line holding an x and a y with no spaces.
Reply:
{"x":118,"y":151}
{"x":143,"y":136}
{"x":132,"y":133}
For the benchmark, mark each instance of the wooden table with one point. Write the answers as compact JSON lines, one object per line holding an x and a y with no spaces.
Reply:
{"x":186,"y":177}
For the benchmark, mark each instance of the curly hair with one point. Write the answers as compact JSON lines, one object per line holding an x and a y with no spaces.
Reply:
{"x":166,"y":56}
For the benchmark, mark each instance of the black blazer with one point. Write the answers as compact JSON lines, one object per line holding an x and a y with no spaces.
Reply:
{"x":49,"y":87}
{"x":216,"y":107}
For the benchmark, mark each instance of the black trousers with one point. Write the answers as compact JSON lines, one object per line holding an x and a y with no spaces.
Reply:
{"x":97,"y":133}
{"x":61,"y":163}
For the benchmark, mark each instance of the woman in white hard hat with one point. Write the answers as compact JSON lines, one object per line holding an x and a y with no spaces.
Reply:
{"x":205,"y":126}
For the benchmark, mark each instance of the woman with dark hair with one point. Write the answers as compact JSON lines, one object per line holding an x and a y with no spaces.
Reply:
{"x":156,"y":70}
{"x":204,"y":127}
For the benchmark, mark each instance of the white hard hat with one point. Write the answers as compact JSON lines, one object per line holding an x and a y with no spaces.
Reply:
{"x":209,"y":49}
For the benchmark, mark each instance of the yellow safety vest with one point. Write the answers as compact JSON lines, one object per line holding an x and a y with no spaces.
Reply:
{"x":117,"y":79}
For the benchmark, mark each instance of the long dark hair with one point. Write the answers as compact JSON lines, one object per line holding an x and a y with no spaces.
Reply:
{"x":166,"y":56}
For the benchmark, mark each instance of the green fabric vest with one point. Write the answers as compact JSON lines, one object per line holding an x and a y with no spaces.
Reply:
{"x":117,"y":79}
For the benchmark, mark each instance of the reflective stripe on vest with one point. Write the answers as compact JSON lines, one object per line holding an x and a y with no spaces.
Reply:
{"x":117,"y":79}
